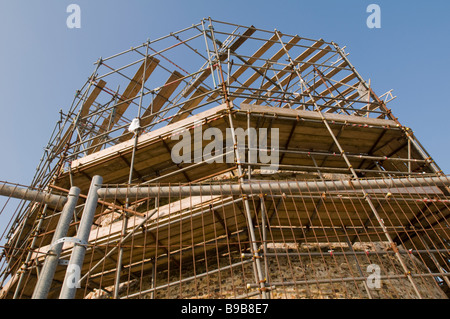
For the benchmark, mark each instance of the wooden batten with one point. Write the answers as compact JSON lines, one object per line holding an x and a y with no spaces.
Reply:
{"x":130,"y":92}
{"x":207,"y":71}
{"x":161,"y":98}
{"x":261,"y":70}
{"x":248,"y":64}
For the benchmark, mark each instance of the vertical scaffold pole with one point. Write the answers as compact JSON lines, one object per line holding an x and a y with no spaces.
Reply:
{"x":130,"y":178}
{"x":28,"y":258}
{"x":51,"y":261}
{"x":257,"y":262}
{"x":71,"y":279}
{"x":264,"y":226}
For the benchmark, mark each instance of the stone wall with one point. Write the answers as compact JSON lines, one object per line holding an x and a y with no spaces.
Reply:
{"x":311,"y":273}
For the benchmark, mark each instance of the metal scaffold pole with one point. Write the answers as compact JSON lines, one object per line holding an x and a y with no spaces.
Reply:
{"x":266,"y":186}
{"x":29,"y":254}
{"x":130,"y":178}
{"x":257,"y":262}
{"x":71,"y":279}
{"x":51,"y":261}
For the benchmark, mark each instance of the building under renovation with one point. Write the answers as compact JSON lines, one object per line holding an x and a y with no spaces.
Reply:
{"x":227,"y":161}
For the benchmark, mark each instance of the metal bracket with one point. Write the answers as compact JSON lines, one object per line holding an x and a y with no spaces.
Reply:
{"x":74,"y":240}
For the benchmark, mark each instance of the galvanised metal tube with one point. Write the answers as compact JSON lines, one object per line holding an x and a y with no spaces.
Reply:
{"x":33,"y":195}
{"x":28,"y":258}
{"x":256,"y":187}
{"x":257,"y":262}
{"x":125,"y":220}
{"x":51,"y":261}
{"x":71,"y":279}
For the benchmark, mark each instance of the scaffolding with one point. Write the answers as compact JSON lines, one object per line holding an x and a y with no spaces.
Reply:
{"x":352,"y":190}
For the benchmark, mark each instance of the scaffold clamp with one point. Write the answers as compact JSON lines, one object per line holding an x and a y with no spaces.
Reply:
{"x":74,"y":240}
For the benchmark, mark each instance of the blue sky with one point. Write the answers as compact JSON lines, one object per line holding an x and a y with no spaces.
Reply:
{"x":43,"y":63}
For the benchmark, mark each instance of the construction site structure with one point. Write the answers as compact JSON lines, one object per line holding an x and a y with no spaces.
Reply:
{"x":227,"y":161}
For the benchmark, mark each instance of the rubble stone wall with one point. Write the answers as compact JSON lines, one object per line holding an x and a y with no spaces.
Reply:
{"x":323,"y":275}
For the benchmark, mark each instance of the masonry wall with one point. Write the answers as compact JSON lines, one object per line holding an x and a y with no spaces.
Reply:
{"x":283,"y":270}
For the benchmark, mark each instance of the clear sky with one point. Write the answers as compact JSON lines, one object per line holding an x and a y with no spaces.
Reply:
{"x":43,"y":62}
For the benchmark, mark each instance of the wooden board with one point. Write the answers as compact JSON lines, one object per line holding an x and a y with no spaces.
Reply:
{"x":299,"y":60}
{"x":248,"y":64}
{"x":207,"y":71}
{"x":130,"y":92}
{"x":83,"y":112}
{"x":261,"y":70}
{"x":161,"y":98}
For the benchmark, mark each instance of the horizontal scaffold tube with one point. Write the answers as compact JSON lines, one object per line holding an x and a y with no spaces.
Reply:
{"x":24,"y":193}
{"x":264,"y":187}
